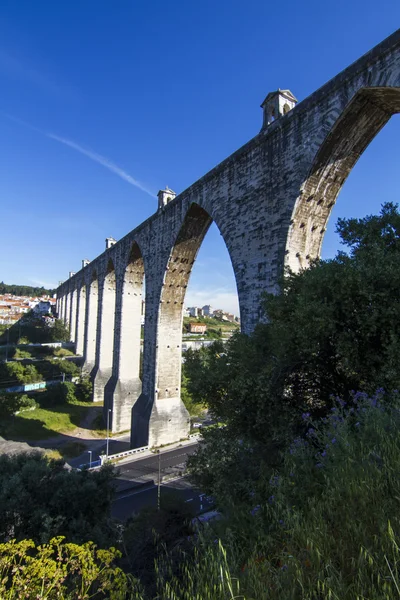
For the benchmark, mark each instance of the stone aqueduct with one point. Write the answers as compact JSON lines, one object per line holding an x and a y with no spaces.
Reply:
{"x":271,"y":201}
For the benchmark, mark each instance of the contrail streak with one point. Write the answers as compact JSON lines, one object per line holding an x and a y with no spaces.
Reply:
{"x":101,"y":160}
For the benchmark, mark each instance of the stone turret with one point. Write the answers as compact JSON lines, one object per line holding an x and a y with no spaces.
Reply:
{"x":110,"y":241}
{"x":277,"y":104}
{"x":165,"y":196}
{"x":85,"y":262}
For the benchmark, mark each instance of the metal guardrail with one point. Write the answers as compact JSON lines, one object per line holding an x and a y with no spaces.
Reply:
{"x":94,"y":464}
{"x":104,"y":459}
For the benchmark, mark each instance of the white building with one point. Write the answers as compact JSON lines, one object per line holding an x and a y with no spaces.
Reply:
{"x":207,"y":310}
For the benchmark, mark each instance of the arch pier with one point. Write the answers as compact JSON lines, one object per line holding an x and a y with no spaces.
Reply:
{"x":271,"y":201}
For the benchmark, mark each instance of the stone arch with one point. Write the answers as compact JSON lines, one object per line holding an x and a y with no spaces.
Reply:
{"x":170,"y":316}
{"x":363,"y":118}
{"x":159,"y":416}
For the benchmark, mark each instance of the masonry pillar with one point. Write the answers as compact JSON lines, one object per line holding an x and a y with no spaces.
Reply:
{"x":67,"y":315}
{"x":80,"y":320}
{"x":73,"y":315}
{"x":105,"y":342}
{"x":60,"y":307}
{"x":91,"y":326}
{"x":125,"y":385}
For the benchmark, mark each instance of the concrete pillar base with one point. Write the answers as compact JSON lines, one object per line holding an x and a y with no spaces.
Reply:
{"x":160,"y":422}
{"x":120,"y":396}
{"x":87,"y":368}
{"x":100,"y":379}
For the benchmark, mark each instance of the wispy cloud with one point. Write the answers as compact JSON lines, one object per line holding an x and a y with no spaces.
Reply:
{"x":102,"y":160}
{"x":94,"y":156}
{"x":15,"y":68}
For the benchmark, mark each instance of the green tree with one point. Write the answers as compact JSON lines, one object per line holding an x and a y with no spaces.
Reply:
{"x":202,"y":371}
{"x":84,"y":389}
{"x":41,"y":499}
{"x":334,"y":328}
{"x":58,"y":332}
{"x":11,"y":403}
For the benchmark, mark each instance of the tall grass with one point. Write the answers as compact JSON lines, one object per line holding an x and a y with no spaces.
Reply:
{"x":326,"y":526}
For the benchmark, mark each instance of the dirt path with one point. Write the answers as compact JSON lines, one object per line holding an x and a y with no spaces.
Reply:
{"x":84,"y":433}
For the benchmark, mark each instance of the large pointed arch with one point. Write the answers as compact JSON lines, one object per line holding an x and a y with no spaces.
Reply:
{"x":159,"y":416}
{"x":170,"y":317}
{"x":361,"y":121}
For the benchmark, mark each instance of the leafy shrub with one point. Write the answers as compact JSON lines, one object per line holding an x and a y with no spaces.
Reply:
{"x":40,"y":499}
{"x":59,"y":393}
{"x":22,"y":373}
{"x":31,"y":374}
{"x":18,"y":353}
{"x":60,"y":570}
{"x":66,"y":366}
{"x":11,"y":403}
{"x":84,"y":390}
{"x":61,"y":352}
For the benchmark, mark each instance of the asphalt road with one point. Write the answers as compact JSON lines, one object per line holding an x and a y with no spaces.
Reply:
{"x":171,"y":463}
{"x":137,"y":483}
{"x":132,"y":501}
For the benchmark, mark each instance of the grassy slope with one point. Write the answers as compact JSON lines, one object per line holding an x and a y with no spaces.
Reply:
{"x":44,"y":423}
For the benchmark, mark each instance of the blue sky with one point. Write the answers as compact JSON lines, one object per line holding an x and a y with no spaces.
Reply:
{"x":102,"y":104}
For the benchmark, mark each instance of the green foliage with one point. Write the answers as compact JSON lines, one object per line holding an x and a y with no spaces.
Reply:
{"x":194,"y":408}
{"x":213,"y":333}
{"x":153,"y":532}
{"x":84,"y":389}
{"x":45,"y":421}
{"x":34,"y":330}
{"x":60,"y":570}
{"x":202,"y":371}
{"x":13,"y":373}
{"x":66,"y":366}
{"x":40,"y":499}
{"x":62,"y":352}
{"x":326,"y":525}
{"x":18,"y":353}
{"x":58,"y":393}
{"x":334,"y":328}
{"x":58,"y":332}
{"x":24,"y":290}
{"x":11,"y":403}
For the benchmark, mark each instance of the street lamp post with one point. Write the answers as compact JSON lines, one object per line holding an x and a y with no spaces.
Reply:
{"x":8,"y":341}
{"x":108,"y":430}
{"x":90,"y":458}
{"x":159,"y":481}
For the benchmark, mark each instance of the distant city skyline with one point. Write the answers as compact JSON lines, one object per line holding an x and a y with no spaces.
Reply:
{"x":91,"y":130}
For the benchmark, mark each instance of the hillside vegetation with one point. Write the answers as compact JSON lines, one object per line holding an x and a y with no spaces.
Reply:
{"x":24,"y":290}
